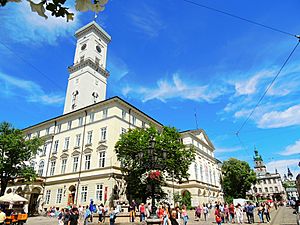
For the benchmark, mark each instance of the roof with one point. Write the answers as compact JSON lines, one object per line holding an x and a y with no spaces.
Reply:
{"x":115,"y":98}
{"x":93,"y":25}
{"x":199,"y":131}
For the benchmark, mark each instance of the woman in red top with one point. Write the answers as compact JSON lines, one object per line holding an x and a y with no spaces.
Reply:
{"x":231,"y":212}
{"x":218,"y":215}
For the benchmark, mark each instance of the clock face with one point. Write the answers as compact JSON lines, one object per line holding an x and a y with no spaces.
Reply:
{"x":83,"y":46}
{"x":98,"y":48}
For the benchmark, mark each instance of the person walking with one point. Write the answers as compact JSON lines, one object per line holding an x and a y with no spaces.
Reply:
{"x":142,"y":210}
{"x":184,"y":215}
{"x":260,"y":212}
{"x":173,"y":217}
{"x":2,"y":217}
{"x":74,"y":217}
{"x":239,"y":214}
{"x":66,"y":217}
{"x":132,"y":209}
{"x":87,"y":215}
{"x":205,"y":211}
{"x":226,"y":213}
{"x":251,"y":212}
{"x":112,"y":217}
{"x":218,"y":215}
{"x":231,"y":212}
{"x":198,"y":212}
{"x":267,"y":212}
{"x":100,"y":213}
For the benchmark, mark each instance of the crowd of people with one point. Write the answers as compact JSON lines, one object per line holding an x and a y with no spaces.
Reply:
{"x":223,"y":213}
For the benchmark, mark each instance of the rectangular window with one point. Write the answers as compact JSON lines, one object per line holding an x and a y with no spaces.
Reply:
{"x":29,"y":136}
{"x":92,"y":115}
{"x":44,"y":149}
{"x":196,"y":171}
{"x":133,"y":120}
{"x":102,"y":159}
{"x":52,"y":167}
{"x":47,"y":130}
{"x":55,"y":148}
{"x":123,"y":114}
{"x":103,"y":134}
{"x":83,"y":194}
{"x":269,"y":181}
{"x":77,"y":142}
{"x":67,"y":142}
{"x":89,"y":137}
{"x":80,"y":121}
{"x":47,"y":197}
{"x":63,"y":166}
{"x":58,"y":128}
{"x":59,"y":195}
{"x":38,"y":133}
{"x":271,"y":189}
{"x":265,"y":182}
{"x":69,"y":126}
{"x":143,"y":124}
{"x":105,"y":112}
{"x":99,"y":192}
{"x":201,"y":172}
{"x":274,"y":181}
{"x":75,"y":163}
{"x":87,"y":164}
{"x":260,"y":190}
{"x":276,"y":189}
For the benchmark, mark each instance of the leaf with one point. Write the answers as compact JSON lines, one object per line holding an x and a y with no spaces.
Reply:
{"x":70,"y":16}
{"x":39,"y":8}
{"x":83,"y":5}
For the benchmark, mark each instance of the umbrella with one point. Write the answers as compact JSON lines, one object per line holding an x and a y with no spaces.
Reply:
{"x":12,"y":198}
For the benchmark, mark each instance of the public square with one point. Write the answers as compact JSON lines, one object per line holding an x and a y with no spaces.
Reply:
{"x":282,"y":216}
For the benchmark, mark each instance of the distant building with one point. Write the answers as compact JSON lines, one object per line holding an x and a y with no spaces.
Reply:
{"x":290,"y":186}
{"x":269,"y":185}
{"x":78,"y":162}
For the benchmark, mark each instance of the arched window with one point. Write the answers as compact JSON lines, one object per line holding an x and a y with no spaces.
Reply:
{"x":74,"y":98}
{"x":41,"y":168}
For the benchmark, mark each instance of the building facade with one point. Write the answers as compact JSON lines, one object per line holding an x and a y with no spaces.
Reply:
{"x":269,"y":185}
{"x":290,"y":186}
{"x":78,"y":162}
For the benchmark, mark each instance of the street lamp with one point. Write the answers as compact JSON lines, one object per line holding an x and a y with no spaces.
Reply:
{"x":154,"y":161}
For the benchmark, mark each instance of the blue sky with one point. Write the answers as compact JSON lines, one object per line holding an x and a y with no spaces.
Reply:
{"x":170,"y":59}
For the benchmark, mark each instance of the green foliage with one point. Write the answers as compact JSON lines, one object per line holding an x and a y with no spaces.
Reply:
{"x":186,"y":199}
{"x":15,"y":150}
{"x":237,"y":178}
{"x":138,"y":140}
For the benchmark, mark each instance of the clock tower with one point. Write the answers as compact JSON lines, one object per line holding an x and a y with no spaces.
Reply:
{"x":88,"y":74}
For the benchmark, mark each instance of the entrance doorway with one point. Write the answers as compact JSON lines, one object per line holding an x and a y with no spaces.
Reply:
{"x":71,"y":197}
{"x":33,"y":202}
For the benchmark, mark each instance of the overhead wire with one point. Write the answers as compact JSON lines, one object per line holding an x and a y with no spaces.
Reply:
{"x":268,"y":88}
{"x":239,"y":17}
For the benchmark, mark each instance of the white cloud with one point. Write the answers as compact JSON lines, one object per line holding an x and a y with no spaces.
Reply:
{"x":282,"y":165}
{"x":292,"y":149}
{"x":29,"y":90}
{"x":146,"y":20}
{"x":227,"y":150}
{"x":285,"y":118}
{"x":24,"y":26}
{"x":176,"y":88}
{"x":117,"y":67}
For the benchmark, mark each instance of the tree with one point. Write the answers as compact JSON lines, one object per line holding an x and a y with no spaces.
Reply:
{"x":15,"y":151}
{"x":138,"y":140}
{"x":57,"y":8}
{"x":237,"y":178}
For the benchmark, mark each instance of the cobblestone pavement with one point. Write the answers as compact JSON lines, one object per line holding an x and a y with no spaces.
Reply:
{"x":282,"y":216}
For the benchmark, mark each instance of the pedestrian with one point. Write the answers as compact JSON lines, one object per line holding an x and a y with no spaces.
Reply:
{"x":205,"y":211}
{"x":132,"y":209}
{"x":218,"y":215}
{"x":147,"y":210}
{"x":239,"y":214}
{"x":198,"y":212}
{"x":231,"y":212}
{"x":267,"y":212}
{"x":66,"y":217}
{"x":100,"y":213}
{"x":260,"y":212}
{"x":105,"y":212}
{"x":2,"y":217}
{"x":226,"y":213}
{"x":112,"y":216}
{"x":251,"y":212}
{"x":184,"y":215}
{"x":74,"y":217}
{"x":173,"y":217}
{"x":166,"y":216}
{"x":60,"y":217}
{"x":87,"y":215}
{"x":142,"y":210}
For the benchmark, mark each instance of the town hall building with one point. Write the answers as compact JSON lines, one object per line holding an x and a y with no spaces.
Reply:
{"x":78,"y":161}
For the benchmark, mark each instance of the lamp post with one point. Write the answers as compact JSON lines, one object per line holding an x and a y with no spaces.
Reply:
{"x":155,"y":161}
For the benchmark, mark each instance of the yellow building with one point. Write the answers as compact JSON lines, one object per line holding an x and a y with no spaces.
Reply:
{"x":78,"y":161}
